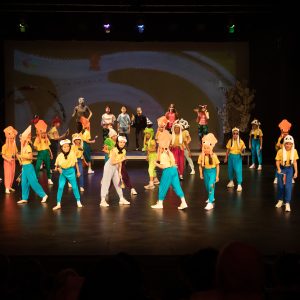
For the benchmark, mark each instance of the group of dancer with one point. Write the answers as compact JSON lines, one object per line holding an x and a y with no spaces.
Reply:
{"x":167,"y":150}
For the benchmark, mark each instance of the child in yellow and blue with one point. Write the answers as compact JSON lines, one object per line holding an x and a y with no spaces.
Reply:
{"x":210,"y":163}
{"x":64,"y":164}
{"x":29,"y":178}
{"x":255,"y":144}
{"x":170,"y":175}
{"x":235,"y":147}
{"x":287,"y":169}
{"x":77,"y":148}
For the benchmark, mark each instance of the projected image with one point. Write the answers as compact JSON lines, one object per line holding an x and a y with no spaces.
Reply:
{"x":47,"y":78}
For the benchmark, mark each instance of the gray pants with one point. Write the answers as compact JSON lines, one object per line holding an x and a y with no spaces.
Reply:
{"x":189,"y":159}
{"x":110,"y":173}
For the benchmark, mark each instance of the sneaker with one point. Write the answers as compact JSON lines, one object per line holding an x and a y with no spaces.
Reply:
{"x":22,"y":201}
{"x":137,"y":149}
{"x":157,"y":205}
{"x":230,"y":184}
{"x":193,"y":172}
{"x":69,"y":185}
{"x":12,"y":190}
{"x":123,"y":201}
{"x":183,"y":205}
{"x":149,"y":186}
{"x":207,"y":201}
{"x":81,"y":189}
{"x":104,"y":203}
{"x":44,"y":199}
{"x":180,"y":177}
{"x":56,"y":207}
{"x":156,"y":181}
{"x":252,"y":166}
{"x":79,"y":204}
{"x":133,"y":191}
{"x":275,"y":180}
{"x":7,"y":191}
{"x":259,"y":167}
{"x":287,"y":207}
{"x":279,"y":204}
{"x":209,"y":206}
{"x":50,"y":181}
{"x":90,"y":171}
{"x":293,"y":180}
{"x":239,"y":188}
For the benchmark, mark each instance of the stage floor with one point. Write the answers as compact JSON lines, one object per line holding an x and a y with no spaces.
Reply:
{"x":249,"y":216}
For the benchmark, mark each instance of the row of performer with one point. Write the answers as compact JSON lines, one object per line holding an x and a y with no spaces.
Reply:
{"x":165,"y":150}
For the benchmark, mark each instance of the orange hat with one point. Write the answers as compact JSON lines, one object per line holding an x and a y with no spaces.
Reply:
{"x":162,"y":121}
{"x":285,"y":125}
{"x":164,"y":139}
{"x":85,"y":122}
{"x":41,"y":126}
{"x":10,"y":132}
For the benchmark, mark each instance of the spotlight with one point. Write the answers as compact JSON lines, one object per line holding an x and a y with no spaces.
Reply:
{"x":22,"y":26}
{"x":231,"y":28}
{"x":106,"y":27}
{"x":140,"y":27}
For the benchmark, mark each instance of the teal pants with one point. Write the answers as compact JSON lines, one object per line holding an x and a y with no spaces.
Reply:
{"x":255,"y":151}
{"x":235,"y":166}
{"x":43,"y":156}
{"x":87,"y":152}
{"x":70,"y":175}
{"x":28,"y":180}
{"x":209,"y":181}
{"x":169,"y":177}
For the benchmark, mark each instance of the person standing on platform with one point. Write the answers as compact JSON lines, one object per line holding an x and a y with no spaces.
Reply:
{"x":287,"y":169}
{"x":285,"y":127}
{"x":28,"y":176}
{"x":255,"y":144}
{"x":107,"y":121}
{"x":42,"y":145}
{"x":202,"y":121}
{"x":64,"y":164}
{"x":171,"y":116}
{"x":235,"y":148}
{"x":124,"y":123}
{"x":86,"y":137}
{"x":9,"y":155}
{"x":112,"y":172}
{"x":169,"y":172}
{"x":139,"y":122}
{"x":54,"y":138}
{"x":81,"y":110}
{"x":209,"y":167}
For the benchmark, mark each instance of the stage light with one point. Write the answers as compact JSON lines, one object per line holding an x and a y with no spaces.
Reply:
{"x":231,"y":28}
{"x":107,"y":27}
{"x":140,"y":27}
{"x":22,"y":26}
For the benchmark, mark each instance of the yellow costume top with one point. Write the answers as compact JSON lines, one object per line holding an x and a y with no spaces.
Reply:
{"x":41,"y":144}
{"x":279,"y":156}
{"x":78,"y":150}
{"x":25,"y":152}
{"x":7,"y":152}
{"x":86,"y":136}
{"x":215,"y":161}
{"x":235,"y":148}
{"x":63,"y":163}
{"x":167,"y":159}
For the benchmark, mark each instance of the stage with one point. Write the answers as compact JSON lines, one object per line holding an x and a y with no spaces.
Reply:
{"x":249,"y":216}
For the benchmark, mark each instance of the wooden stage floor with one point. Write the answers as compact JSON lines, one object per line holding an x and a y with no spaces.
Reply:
{"x":249,"y":216}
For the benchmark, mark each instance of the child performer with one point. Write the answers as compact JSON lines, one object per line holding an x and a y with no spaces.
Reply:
{"x":284,"y":127}
{"x":210,"y":163}
{"x":107,"y":121}
{"x":54,"y":137}
{"x":235,"y":147}
{"x":64,"y":164}
{"x":150,"y":148}
{"x":9,"y":153}
{"x":171,"y":116}
{"x":202,"y":120}
{"x":112,"y":172}
{"x":86,"y":137}
{"x":169,"y":174}
{"x":286,"y":163}
{"x":186,"y":141}
{"x":255,"y":144}
{"x":29,"y":178}
{"x":124,"y":123}
{"x":42,"y":145}
{"x":77,"y":148}
{"x":177,"y":147}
